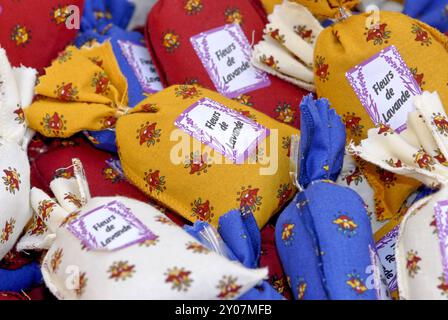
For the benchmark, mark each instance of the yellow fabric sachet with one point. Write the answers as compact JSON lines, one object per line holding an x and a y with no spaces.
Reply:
{"x":162,"y":158}
{"x":348,"y":43}
{"x":194,"y":179}
{"x":319,"y":8}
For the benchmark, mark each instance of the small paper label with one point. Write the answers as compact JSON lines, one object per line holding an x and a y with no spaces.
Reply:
{"x":139,"y":59}
{"x":225,"y":53}
{"x":109,"y":227}
{"x":386,"y":87}
{"x":223,"y":129}
{"x":441,"y":213}
{"x":379,"y":279}
{"x":386,"y":251}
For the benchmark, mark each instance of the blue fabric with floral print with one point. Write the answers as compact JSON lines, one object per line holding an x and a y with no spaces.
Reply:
{"x":432,"y":12}
{"x":107,"y":20}
{"x":239,"y":239}
{"x":324,"y":237}
{"x":24,"y":278}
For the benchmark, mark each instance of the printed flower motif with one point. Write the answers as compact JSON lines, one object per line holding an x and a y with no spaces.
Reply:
{"x":441,"y":123}
{"x":247,"y":114}
{"x":244,"y":99}
{"x":352,"y":124}
{"x":92,"y":139}
{"x":100,"y":82}
{"x":45,"y":208}
{"x":284,"y":193}
{"x":443,"y":286}
{"x":356,"y":283}
{"x":37,"y":226}
{"x":121,"y":270}
{"x":249,"y":198}
{"x":164,"y":220}
{"x":197,"y":163}
{"x":412,"y":261}
{"x":378,"y":35}
{"x":384,"y":129}
{"x":56,"y":259}
{"x":148,"y":134}
{"x":346,"y":225}
{"x":82,"y":284}
{"x":278,"y":283}
{"x":354,"y":176}
{"x":269,"y":61}
{"x":20,"y":115}
{"x":202,"y":210}
{"x":97,"y":61}
{"x":433,"y":225}
{"x":150,"y":242}
{"x":11,"y":180}
{"x":286,"y":144}
{"x":54,"y":124}
{"x":8,"y":229}
{"x":421,"y":35}
{"x":387,"y":177}
{"x":193,"y":6}
{"x":394,"y":163}
{"x":63,"y":173}
{"x":321,"y":69}
{"x":171,"y":41}
{"x":111,"y":174}
{"x":285,"y":113}
{"x":304,"y":33}
{"x":21,"y":35}
{"x":424,"y":160}
{"x":73,"y":199}
{"x":179,"y":278}
{"x":60,"y":14}
{"x":66,"y":92}
{"x":64,"y":56}
{"x":288,"y":233}
{"x":301,"y":289}
{"x":70,"y":218}
{"x":154,"y":181}
{"x":419,"y":77}
{"x":187,"y":92}
{"x":275,"y":34}
{"x":196,"y":247}
{"x":233,"y":15}
{"x":440,"y":157}
{"x":150,"y":107}
{"x":228,"y":288}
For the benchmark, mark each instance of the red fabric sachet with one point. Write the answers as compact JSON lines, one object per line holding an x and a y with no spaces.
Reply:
{"x":213,"y":60}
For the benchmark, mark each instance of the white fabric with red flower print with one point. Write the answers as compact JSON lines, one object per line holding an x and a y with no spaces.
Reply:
{"x":287,"y":48}
{"x":16,"y":92}
{"x":120,"y":248}
{"x":419,"y":152}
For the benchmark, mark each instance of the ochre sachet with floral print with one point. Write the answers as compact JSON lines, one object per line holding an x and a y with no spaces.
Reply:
{"x":320,"y":8}
{"x":353,"y":41}
{"x":239,"y":158}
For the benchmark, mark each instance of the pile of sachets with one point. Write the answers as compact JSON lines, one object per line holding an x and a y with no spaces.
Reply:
{"x":203,"y":149}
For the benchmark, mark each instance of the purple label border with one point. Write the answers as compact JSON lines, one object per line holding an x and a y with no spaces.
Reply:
{"x":130,"y":58}
{"x":383,"y":243}
{"x":442,"y":228}
{"x":237,"y":34}
{"x":356,"y":75}
{"x":194,"y":131}
{"x":89,"y":240}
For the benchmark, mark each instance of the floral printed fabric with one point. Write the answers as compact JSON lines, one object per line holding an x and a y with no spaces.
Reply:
{"x":416,"y":42}
{"x":26,"y":26}
{"x":170,"y":269}
{"x":324,"y":237}
{"x":431,"y":12}
{"x":16,"y":92}
{"x":287,"y":47}
{"x":24,"y":278}
{"x":239,"y":240}
{"x":419,"y":152}
{"x":319,"y":8}
{"x":107,"y":20}
{"x":170,"y":46}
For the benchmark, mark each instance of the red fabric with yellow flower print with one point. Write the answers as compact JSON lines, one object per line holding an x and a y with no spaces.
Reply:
{"x":34,"y":32}
{"x":172,"y":23}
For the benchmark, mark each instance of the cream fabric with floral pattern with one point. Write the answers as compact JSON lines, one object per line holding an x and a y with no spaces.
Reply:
{"x":419,"y":152}
{"x":90,"y":258}
{"x":287,"y":48}
{"x":16,"y":91}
